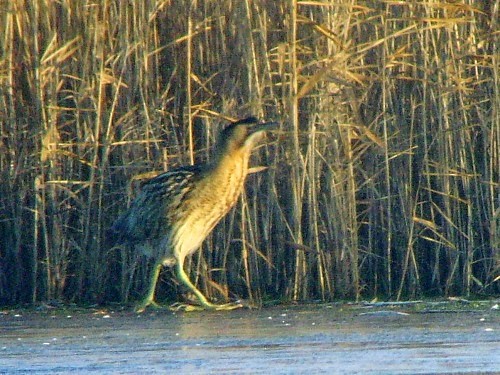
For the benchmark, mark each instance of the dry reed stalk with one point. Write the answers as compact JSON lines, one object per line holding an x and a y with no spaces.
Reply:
{"x":382,"y":181}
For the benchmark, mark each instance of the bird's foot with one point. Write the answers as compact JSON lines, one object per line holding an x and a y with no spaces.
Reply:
{"x":141,"y":307}
{"x":208,"y":306}
{"x":179,"y":306}
{"x":228,"y":306}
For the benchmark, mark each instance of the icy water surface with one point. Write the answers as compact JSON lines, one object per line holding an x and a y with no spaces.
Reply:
{"x":308,"y":339}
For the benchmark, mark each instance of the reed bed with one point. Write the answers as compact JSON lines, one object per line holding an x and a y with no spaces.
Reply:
{"x":382,"y":182}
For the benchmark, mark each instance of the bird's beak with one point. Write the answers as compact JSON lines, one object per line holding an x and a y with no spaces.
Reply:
{"x":265,"y":126}
{"x":258,"y":130}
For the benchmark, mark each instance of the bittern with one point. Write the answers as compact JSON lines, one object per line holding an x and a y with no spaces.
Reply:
{"x":176,"y":210}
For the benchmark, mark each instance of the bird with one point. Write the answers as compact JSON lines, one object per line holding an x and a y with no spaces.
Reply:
{"x":175,"y":211}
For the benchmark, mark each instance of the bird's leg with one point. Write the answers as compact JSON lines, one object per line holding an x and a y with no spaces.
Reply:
{"x":183,"y":277}
{"x":149,"y":299}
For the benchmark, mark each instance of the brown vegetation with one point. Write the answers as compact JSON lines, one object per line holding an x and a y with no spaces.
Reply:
{"x":383,"y":179}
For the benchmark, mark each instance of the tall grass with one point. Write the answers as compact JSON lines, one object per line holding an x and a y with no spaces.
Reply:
{"x":383,"y":179}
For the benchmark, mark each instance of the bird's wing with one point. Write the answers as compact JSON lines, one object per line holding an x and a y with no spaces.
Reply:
{"x":150,"y":215}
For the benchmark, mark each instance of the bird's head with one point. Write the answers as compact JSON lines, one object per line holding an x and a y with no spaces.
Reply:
{"x":242,"y":135}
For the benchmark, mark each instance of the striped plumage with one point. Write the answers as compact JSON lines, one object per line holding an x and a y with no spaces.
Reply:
{"x":176,"y":210}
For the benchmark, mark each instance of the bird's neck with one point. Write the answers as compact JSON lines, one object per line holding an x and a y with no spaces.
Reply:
{"x":231,"y":163}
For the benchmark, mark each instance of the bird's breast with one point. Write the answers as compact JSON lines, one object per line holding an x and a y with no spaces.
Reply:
{"x":209,"y":202}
